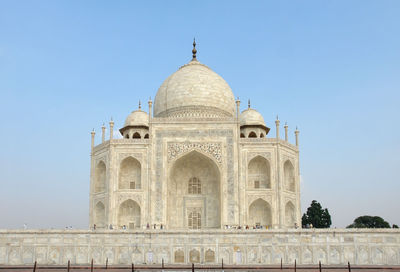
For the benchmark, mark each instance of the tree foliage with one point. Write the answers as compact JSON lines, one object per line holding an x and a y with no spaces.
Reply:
{"x":368,"y":221}
{"x":318,"y":217}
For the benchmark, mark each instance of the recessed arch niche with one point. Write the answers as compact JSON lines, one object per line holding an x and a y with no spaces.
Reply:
{"x":99,"y":218}
{"x":181,"y":203}
{"x":259,"y":173}
{"x":100,"y":177}
{"x":129,"y":214}
{"x":288,"y":174}
{"x":260,"y":213}
{"x":130,"y":174}
{"x":290,"y":215}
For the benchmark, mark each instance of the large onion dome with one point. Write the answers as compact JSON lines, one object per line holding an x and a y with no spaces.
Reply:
{"x":194,"y":91}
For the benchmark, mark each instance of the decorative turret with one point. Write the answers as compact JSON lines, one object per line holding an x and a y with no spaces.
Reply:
{"x":286,"y":132}
{"x":136,"y":124}
{"x":111,"y":129}
{"x":93,"y":133}
{"x":252,"y":124}
{"x":103,"y":133}
{"x":277,"y":122}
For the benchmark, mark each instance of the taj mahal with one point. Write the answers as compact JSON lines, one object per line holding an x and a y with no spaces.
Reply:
{"x":195,"y":180}
{"x":194,"y":161}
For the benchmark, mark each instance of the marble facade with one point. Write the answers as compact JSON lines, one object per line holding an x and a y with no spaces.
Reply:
{"x":252,"y":247}
{"x":197,"y":135}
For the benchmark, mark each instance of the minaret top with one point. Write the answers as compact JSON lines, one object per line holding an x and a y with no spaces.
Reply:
{"x":194,"y":51}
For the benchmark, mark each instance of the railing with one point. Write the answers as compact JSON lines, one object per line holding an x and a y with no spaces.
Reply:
{"x":195,"y":267}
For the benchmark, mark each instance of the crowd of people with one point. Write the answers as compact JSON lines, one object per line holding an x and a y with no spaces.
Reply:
{"x":237,"y":227}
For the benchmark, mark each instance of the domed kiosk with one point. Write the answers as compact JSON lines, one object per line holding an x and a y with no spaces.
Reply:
{"x":252,"y":124}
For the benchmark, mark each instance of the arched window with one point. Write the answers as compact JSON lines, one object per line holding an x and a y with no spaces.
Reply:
{"x":194,"y":220}
{"x":146,"y":136}
{"x":194,"y":187}
{"x":100,"y":178}
{"x":209,"y":256}
{"x":261,"y":135}
{"x":179,"y":256}
{"x":252,"y":135}
{"x":242,"y":135}
{"x":194,"y":256}
{"x":127,"y":136}
{"x":288,"y":174}
{"x":290,"y":215}
{"x":130,"y":174}
{"x":259,"y":173}
{"x":129,"y":214}
{"x":136,"y":135}
{"x":99,"y":215}
{"x":260,"y":213}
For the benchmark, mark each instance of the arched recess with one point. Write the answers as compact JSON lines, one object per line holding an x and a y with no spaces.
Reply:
{"x":242,"y":135}
{"x":129,"y":214}
{"x":259,"y":173}
{"x":100,"y":177}
{"x":127,"y":136}
{"x":261,"y":135}
{"x":179,"y":256}
{"x":146,"y":136}
{"x":252,"y":135}
{"x":209,"y":256}
{"x":99,"y":217}
{"x":290,"y":215}
{"x":130,"y":174}
{"x":288,"y":174}
{"x":181,"y":203}
{"x":194,"y":256}
{"x":136,"y":135}
{"x":260,"y":213}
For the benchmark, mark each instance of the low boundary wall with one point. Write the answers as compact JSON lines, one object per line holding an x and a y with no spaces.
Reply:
{"x":239,"y":247}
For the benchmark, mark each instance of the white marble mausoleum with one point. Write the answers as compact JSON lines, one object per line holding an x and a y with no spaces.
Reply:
{"x":196,"y":180}
{"x":195,"y":161}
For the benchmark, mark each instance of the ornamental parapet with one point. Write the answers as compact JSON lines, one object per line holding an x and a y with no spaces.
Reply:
{"x":129,"y":141}
{"x":269,"y":141}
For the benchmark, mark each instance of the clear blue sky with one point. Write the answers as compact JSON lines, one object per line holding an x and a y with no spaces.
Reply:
{"x":330,"y":67}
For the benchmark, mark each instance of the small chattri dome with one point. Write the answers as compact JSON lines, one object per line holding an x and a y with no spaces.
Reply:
{"x":137,"y":118}
{"x":251,"y":117}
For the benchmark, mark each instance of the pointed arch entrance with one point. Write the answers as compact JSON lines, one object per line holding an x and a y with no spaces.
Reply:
{"x":194,"y":189}
{"x":99,"y":215}
{"x":129,"y":214}
{"x":260,"y":213}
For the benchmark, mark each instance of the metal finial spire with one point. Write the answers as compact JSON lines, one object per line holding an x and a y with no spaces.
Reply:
{"x":248,"y":103}
{"x":194,"y":51}
{"x":140,"y":105}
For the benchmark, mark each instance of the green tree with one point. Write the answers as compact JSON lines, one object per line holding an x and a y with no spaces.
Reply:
{"x":318,"y":217}
{"x":368,"y":221}
{"x":395,"y":226}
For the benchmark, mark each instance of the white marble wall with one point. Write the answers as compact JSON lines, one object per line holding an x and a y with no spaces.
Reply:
{"x":332,"y":246}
